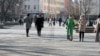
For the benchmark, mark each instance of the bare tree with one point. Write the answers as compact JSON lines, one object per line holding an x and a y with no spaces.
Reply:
{"x":72,"y":8}
{"x":7,"y":8}
{"x":85,"y":9}
{"x":76,"y":9}
{"x":69,"y":8}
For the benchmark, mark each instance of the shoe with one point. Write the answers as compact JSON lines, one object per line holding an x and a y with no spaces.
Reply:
{"x":79,"y":40}
{"x":39,"y":34}
{"x":71,"y":39}
{"x":82,"y":40}
{"x":27,"y":35}
{"x":68,"y":37}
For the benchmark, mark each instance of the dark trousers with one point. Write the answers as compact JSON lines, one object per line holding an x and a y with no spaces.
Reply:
{"x":59,"y":23}
{"x":53,"y":23}
{"x":39,"y":31}
{"x":70,"y":37}
{"x":27,"y":32}
{"x":81,"y":36}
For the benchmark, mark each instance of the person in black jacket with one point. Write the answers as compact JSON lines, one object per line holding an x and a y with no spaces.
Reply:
{"x":60,"y":21}
{"x":20,"y":22}
{"x":54,"y":21}
{"x":39,"y":24}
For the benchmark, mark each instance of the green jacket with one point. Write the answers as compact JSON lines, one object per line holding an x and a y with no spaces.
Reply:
{"x":70,"y":26}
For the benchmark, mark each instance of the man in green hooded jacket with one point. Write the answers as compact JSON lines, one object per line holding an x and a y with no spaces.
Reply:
{"x":70,"y":26}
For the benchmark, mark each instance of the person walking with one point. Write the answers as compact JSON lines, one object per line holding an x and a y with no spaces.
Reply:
{"x":60,"y":21}
{"x":82,"y":26}
{"x":97,"y":29}
{"x":54,"y":21}
{"x":70,"y":27}
{"x":20,"y":22}
{"x":50,"y":22}
{"x":28,"y":21}
{"x":39,"y":24}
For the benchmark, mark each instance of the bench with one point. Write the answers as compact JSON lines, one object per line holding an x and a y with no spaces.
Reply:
{"x":89,"y":29}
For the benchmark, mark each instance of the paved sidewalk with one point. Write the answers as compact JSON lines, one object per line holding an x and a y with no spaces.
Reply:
{"x":53,"y":42}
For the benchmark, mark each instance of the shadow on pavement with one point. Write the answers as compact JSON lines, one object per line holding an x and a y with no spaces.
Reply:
{"x":29,"y":51}
{"x":4,"y":28}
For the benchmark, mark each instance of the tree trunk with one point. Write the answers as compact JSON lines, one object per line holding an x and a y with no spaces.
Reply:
{"x":2,"y":11}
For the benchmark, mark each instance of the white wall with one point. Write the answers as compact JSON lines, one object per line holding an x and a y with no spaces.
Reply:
{"x":32,"y":4}
{"x":41,"y":6}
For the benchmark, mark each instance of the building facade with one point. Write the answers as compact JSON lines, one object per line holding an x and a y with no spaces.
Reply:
{"x":67,"y":3}
{"x":93,"y":7}
{"x":51,"y":7}
{"x":62,"y":9}
{"x":76,"y":8}
{"x":30,"y":6}
{"x":69,"y":6}
{"x":62,"y":5}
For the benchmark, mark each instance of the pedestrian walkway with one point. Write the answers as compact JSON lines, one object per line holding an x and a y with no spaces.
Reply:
{"x":53,"y":42}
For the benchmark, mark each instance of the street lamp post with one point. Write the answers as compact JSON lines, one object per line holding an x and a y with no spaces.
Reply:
{"x":48,"y":7}
{"x":17,"y":11}
{"x":80,"y":7}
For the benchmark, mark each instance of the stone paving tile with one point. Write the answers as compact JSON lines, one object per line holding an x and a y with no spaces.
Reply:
{"x":14,"y":43}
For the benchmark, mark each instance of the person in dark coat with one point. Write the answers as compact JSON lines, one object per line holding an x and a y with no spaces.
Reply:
{"x":60,"y":21}
{"x":20,"y":21}
{"x":28,"y":21}
{"x":54,"y":21}
{"x":42,"y":17}
{"x":39,"y":21}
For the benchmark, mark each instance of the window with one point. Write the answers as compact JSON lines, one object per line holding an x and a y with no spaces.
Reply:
{"x":45,"y":0}
{"x":28,"y":6}
{"x":27,"y":0}
{"x":25,"y":7}
{"x":34,"y":7}
{"x":36,"y":0}
{"x":44,"y":7}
